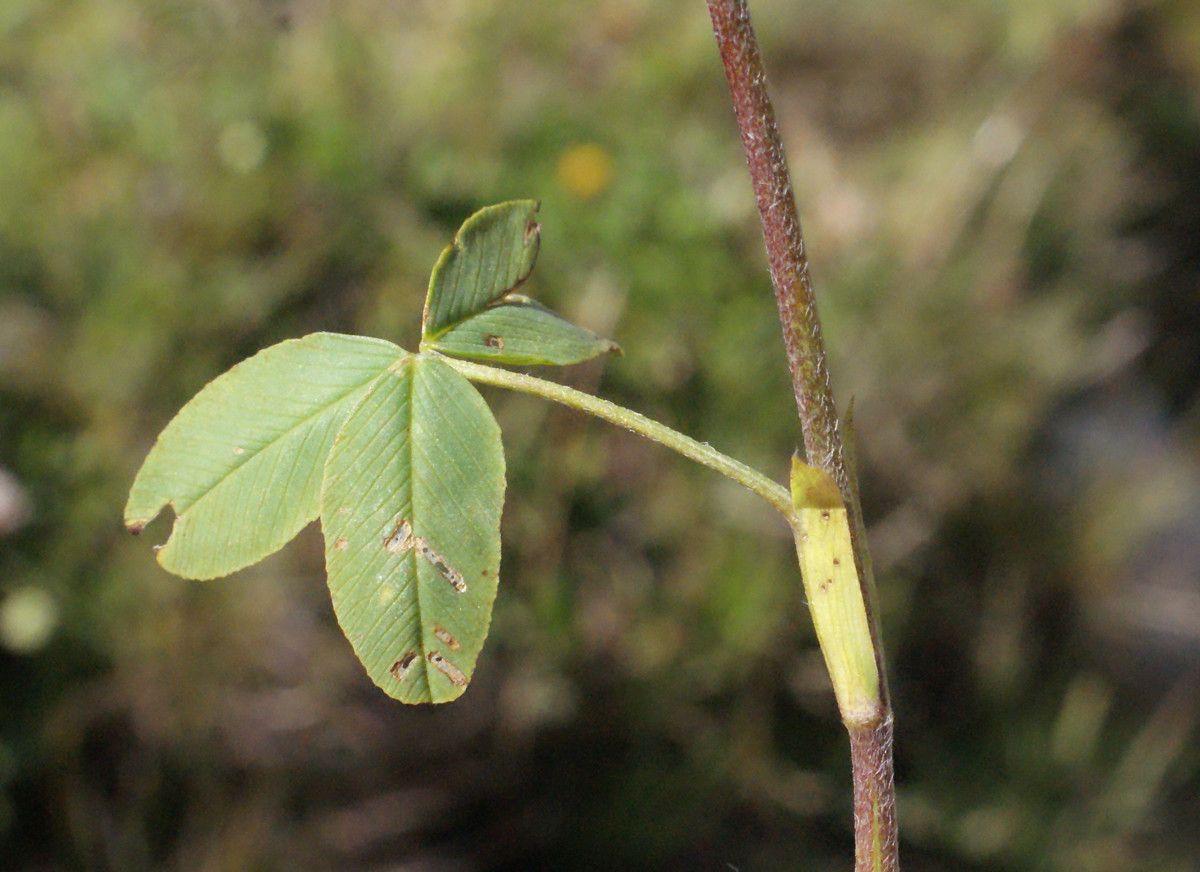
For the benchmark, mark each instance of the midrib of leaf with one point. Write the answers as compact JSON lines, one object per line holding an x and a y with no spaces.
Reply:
{"x":308,"y":419}
{"x":412,"y":501}
{"x":506,"y":253}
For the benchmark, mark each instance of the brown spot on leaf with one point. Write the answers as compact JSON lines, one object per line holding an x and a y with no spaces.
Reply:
{"x":837,"y":562}
{"x":491,"y":340}
{"x":825,"y":516}
{"x":400,"y":667}
{"x":401,"y":539}
{"x":239,"y":450}
{"x":446,"y":636}
{"x":136,"y":527}
{"x":340,"y":543}
{"x":448,"y":669}
{"x":532,"y":229}
{"x":439,"y":563}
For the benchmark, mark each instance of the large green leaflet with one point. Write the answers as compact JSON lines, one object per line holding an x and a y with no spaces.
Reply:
{"x":241,"y":462}
{"x":411,"y":516}
{"x":471,"y":310}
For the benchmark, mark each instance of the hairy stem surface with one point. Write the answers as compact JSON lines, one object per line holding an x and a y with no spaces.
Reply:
{"x":875,"y":831}
{"x":785,"y":241}
{"x":876,"y":848}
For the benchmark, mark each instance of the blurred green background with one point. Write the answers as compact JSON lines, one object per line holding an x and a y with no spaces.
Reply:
{"x":1003,"y":206}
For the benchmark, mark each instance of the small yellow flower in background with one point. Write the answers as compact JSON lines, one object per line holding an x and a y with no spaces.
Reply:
{"x":585,"y":170}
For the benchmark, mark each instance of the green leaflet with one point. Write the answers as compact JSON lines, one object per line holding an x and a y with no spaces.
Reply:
{"x":471,"y":310}
{"x":241,"y":462}
{"x":521,"y":332}
{"x":492,"y":253}
{"x":410,"y":510}
{"x":831,"y":583}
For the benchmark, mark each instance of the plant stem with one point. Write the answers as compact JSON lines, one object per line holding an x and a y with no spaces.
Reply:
{"x":701,"y":452}
{"x":876,"y":847}
{"x":875,"y":834}
{"x":794,"y":295}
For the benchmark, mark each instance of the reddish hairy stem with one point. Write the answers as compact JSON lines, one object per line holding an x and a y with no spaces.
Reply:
{"x":875,"y":833}
{"x":785,"y":241}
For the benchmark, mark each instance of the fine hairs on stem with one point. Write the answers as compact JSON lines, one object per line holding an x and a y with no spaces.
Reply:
{"x":876,"y":848}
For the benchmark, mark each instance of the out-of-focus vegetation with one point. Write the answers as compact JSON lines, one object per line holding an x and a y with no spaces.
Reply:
{"x":1003,"y":205}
